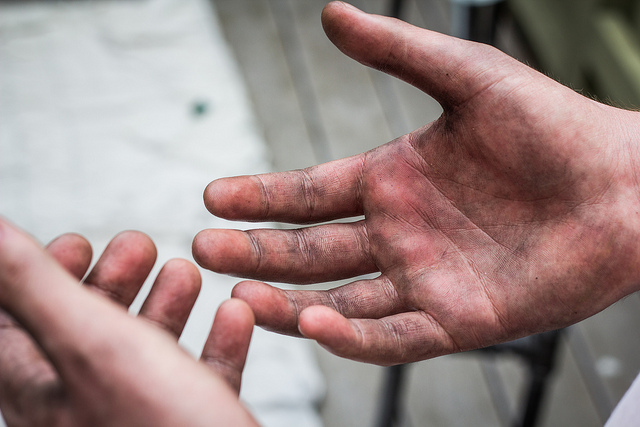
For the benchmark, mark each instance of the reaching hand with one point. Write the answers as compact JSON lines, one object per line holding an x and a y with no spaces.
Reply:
{"x":82,"y":360}
{"x":514,"y":213}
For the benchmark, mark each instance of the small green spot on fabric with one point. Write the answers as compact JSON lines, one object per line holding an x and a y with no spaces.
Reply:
{"x":199,"y":108}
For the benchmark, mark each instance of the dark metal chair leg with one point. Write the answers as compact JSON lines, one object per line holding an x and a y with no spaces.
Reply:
{"x":476,"y":23}
{"x":540,"y":368}
{"x":539,"y":353}
{"x":391,"y":396}
{"x":395,"y":8}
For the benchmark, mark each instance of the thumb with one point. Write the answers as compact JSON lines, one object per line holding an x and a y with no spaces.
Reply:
{"x":449,"y":69}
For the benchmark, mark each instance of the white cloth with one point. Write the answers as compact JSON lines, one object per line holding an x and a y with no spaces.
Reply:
{"x":115,"y":115}
{"x":627,"y":412}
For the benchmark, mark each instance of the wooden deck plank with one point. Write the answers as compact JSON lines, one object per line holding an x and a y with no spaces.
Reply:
{"x":597,"y":391}
{"x":350,"y":111}
{"x":352,"y":391}
{"x":568,"y":403}
{"x":449,"y":391}
{"x":407,"y":108}
{"x":292,"y":29}
{"x":614,"y":343}
{"x":254,"y":38}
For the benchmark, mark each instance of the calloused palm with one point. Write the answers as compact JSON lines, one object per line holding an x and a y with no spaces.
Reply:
{"x":514,"y":213}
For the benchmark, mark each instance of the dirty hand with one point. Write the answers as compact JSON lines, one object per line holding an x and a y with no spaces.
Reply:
{"x":71,"y":355}
{"x":515,"y":212}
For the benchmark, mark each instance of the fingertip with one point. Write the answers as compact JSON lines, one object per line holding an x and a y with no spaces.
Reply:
{"x":239,"y":311}
{"x":233,"y":325}
{"x":123,"y":267}
{"x":328,"y":327}
{"x":242,"y":290}
{"x":221,"y":250}
{"x":69,"y":239}
{"x":211,"y":195}
{"x":133,"y":239}
{"x":251,"y":291}
{"x":263,"y":299}
{"x":335,"y":17}
{"x":313,"y":320}
{"x":336,"y":6}
{"x":201,"y":246}
{"x":444,"y":67}
{"x":187,"y":273}
{"x":134,"y":249}
{"x":197,"y":247}
{"x":271,"y":307}
{"x":183,"y":264}
{"x":234,"y":198}
{"x":73,"y":252}
{"x":255,"y":294}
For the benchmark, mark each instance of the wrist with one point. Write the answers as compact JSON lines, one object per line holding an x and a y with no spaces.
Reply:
{"x":625,"y":143}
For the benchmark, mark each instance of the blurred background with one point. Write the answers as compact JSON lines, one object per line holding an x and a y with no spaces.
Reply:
{"x":116,"y":114}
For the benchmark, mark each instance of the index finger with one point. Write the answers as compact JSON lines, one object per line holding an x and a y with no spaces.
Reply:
{"x":23,"y":364}
{"x":123,"y":267}
{"x":319,"y":193}
{"x":48,"y":301}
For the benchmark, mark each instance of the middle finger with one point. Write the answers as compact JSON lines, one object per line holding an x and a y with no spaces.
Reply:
{"x":308,"y":255}
{"x":123,"y":267}
{"x":172,"y":296}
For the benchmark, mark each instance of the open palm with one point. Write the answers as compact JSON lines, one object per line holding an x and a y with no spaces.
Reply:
{"x":514,"y":213}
